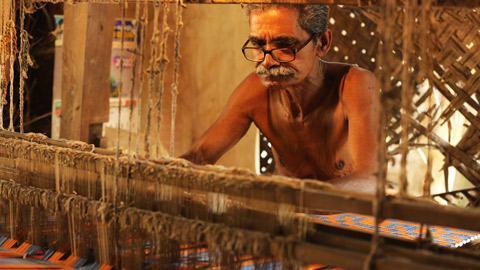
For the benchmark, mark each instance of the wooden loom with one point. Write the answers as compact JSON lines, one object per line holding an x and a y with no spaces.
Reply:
{"x":59,"y":187}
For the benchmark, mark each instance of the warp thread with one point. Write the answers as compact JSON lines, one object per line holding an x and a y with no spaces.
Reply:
{"x":13,"y":52}
{"x":24,"y":60}
{"x":388,"y":103}
{"x":175,"y":75}
{"x":426,"y":55}
{"x":229,"y":181}
{"x":143,"y":24}
{"x":162,"y":63}
{"x":173,"y":227}
{"x":407,"y":91}
{"x":135,"y":67}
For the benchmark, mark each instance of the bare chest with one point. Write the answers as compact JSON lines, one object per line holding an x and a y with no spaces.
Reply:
{"x":313,"y":146}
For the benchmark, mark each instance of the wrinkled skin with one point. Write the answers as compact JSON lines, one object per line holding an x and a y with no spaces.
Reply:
{"x":321,"y":118}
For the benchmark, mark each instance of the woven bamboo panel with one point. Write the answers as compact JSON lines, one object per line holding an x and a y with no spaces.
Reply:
{"x":453,"y":37}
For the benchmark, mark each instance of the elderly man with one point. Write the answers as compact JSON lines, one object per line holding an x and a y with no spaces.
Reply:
{"x":321,"y":118}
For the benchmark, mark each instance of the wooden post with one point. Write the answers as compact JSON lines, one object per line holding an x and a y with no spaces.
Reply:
{"x":5,"y":12}
{"x":87,"y":49}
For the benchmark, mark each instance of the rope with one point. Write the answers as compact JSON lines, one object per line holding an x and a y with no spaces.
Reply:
{"x":13,"y":46}
{"x":2,"y":63}
{"x":3,"y":17}
{"x":152,"y":74}
{"x":117,"y":160}
{"x":24,"y":61}
{"x":134,"y":68}
{"x":3,"y":80}
{"x":407,"y":91}
{"x":387,"y":12}
{"x":426,"y":55}
{"x":175,"y":75}
{"x":120,"y":89}
{"x":163,"y":64}
{"x":144,"y":23}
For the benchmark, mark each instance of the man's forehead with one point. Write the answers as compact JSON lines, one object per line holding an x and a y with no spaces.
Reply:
{"x":285,"y":40}
{"x":275,"y":22}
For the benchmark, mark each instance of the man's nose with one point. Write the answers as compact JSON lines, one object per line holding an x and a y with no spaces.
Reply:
{"x":268,"y":61}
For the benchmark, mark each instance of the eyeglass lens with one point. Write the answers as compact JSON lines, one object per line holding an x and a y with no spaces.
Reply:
{"x":280,"y":54}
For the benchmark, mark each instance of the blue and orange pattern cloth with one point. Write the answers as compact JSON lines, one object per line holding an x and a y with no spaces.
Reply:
{"x":442,"y":236}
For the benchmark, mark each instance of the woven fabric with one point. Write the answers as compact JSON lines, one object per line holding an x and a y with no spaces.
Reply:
{"x":443,"y":236}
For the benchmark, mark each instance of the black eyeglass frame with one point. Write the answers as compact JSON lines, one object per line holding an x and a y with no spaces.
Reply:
{"x":265,"y":52}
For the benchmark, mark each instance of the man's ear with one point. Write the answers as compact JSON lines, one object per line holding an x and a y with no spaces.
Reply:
{"x":323,"y":43}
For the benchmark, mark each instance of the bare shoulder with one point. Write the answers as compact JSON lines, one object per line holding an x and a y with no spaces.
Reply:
{"x":250,"y":86}
{"x":360,"y":78}
{"x":249,"y":93}
{"x":361,"y":88}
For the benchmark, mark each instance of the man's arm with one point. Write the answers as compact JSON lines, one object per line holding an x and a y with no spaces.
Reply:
{"x":228,"y":129}
{"x":362,"y":107}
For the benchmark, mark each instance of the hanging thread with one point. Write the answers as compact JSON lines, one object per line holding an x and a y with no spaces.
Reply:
{"x":13,"y":48}
{"x":24,"y":61}
{"x":152,"y":75}
{"x":387,"y":12}
{"x":163,"y":60}
{"x":426,"y":55}
{"x":134,"y":69}
{"x":143,"y":24}
{"x":120,"y":89}
{"x":175,"y":75}
{"x":407,"y":91}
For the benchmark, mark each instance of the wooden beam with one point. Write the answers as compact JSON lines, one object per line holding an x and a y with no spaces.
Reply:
{"x":5,"y":12}
{"x":358,"y":3}
{"x":87,"y":50}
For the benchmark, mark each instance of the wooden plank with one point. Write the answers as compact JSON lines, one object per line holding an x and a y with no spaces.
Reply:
{"x":5,"y":12}
{"x":364,"y":3}
{"x":87,"y":51}
{"x":326,"y":2}
{"x":358,"y":3}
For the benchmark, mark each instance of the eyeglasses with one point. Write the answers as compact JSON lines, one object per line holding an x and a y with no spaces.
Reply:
{"x":281,"y":55}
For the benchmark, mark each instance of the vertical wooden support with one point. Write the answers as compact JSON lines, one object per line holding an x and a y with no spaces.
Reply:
{"x":87,"y":49}
{"x":5,"y":11}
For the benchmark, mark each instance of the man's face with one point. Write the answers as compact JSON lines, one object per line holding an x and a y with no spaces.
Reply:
{"x":279,"y":28}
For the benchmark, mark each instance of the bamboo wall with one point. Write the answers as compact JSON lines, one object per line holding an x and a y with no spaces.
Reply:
{"x":452,"y":107}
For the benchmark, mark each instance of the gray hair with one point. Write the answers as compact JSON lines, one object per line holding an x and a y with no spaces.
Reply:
{"x":312,"y":18}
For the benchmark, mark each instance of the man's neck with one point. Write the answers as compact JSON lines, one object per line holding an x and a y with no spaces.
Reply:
{"x":309,"y":92}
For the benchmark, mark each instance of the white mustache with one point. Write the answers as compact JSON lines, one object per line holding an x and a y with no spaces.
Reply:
{"x":274,"y":70}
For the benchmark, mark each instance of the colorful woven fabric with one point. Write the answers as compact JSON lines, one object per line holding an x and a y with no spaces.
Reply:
{"x":27,"y":256}
{"x":443,"y":236}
